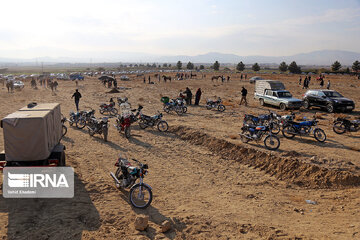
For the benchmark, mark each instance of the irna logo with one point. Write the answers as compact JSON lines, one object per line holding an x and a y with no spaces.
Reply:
{"x":37,"y":180}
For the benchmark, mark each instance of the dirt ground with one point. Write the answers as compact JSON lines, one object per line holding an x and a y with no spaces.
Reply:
{"x":205,"y":181}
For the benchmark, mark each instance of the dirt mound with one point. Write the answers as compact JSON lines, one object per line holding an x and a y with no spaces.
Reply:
{"x":287,"y":168}
{"x":114,"y":90}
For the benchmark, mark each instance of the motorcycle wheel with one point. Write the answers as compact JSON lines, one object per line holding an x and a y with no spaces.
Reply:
{"x":71,"y":121}
{"x":142,"y":124}
{"x":101,"y":111}
{"x":166,"y":109}
{"x":162,"y":126}
{"x":113,"y":112}
{"x":91,"y":132}
{"x":275,"y":128}
{"x":208,"y":107}
{"x":272,"y":142}
{"x":179,"y":110}
{"x":184,"y":109}
{"x":105,"y":132}
{"x":339,"y":127}
{"x":127,"y":131}
{"x":221,"y":108}
{"x":81,"y":123}
{"x":319,"y":135}
{"x":243,"y":138}
{"x":289,"y":132}
{"x":140,"y":196}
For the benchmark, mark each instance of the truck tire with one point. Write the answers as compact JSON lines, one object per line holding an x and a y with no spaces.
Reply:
{"x":282,"y":107}
{"x":262,"y":102}
{"x":62,"y":162}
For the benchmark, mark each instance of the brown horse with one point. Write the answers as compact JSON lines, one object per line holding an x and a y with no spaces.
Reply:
{"x":166,"y":78}
{"x":215,"y":77}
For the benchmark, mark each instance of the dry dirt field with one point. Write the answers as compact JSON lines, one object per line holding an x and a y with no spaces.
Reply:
{"x":207,"y":182}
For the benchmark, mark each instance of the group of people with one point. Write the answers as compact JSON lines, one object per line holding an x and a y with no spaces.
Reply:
{"x":188,"y":96}
{"x":307,"y":80}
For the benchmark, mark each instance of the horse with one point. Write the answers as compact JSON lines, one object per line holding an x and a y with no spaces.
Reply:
{"x":10,"y":85}
{"x":193,"y":75}
{"x":166,"y":78}
{"x":215,"y":77}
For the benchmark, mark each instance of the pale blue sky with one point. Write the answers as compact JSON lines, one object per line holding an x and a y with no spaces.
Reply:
{"x":79,"y":28}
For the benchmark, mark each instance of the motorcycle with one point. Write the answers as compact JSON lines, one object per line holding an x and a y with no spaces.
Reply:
{"x":256,"y":133}
{"x":176,"y":105}
{"x":342,"y":125}
{"x":140,"y":194}
{"x":122,"y":101}
{"x":108,"y":108}
{"x":124,"y":121}
{"x":74,"y":118}
{"x":84,"y":119}
{"x":305,"y":128}
{"x":210,"y":104}
{"x":151,"y":121}
{"x":64,"y":128}
{"x":99,"y":126}
{"x":264,"y":120}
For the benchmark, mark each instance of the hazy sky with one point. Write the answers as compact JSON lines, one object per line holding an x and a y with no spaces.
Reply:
{"x":88,"y":28}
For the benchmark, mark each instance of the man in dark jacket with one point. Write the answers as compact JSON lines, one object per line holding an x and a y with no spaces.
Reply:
{"x":243,"y":96}
{"x":77,"y":97}
{"x":188,"y":96}
{"x":197,"y":96}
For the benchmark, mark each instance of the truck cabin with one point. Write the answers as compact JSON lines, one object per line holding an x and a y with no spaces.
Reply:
{"x":278,"y":94}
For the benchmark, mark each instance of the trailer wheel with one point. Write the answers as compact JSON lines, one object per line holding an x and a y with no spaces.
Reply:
{"x":62,"y":162}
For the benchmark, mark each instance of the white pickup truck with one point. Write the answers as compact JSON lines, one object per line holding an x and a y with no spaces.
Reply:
{"x":273,"y":93}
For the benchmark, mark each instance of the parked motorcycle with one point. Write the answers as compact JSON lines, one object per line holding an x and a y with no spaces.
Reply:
{"x":122,"y":101}
{"x":64,"y":128}
{"x":140,"y":194}
{"x":74,"y":118}
{"x":256,"y":133}
{"x":264,"y":120}
{"x":85,"y":117}
{"x":108,"y":108}
{"x":124,"y":121}
{"x":151,"y":121}
{"x":217,"y":104}
{"x":305,"y":128}
{"x":342,"y":125}
{"x":176,"y":105}
{"x":99,"y":126}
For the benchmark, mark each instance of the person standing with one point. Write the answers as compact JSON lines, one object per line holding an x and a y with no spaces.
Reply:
{"x":321,"y":82}
{"x":243,"y":95}
{"x":77,"y":97}
{"x":304,"y":83}
{"x":300,"y":81}
{"x":188,"y":96}
{"x":149,"y":79}
{"x":197,"y":96}
{"x":144,"y":79}
{"x":328,"y":85}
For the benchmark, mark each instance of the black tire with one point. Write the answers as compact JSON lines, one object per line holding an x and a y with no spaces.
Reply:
{"x":162,"y":126}
{"x":243,"y":138}
{"x":106,"y":132}
{"x":143,"y":203}
{"x":166,"y":109}
{"x":81,"y":123}
{"x":306,"y":104}
{"x":339,"y":127}
{"x":208,"y":107}
{"x":142,"y":124}
{"x":275,"y":128}
{"x":101,"y":111}
{"x":261,"y":102}
{"x":330,"y":108}
{"x":179,"y":110}
{"x":282,"y":107}
{"x":113,"y":112}
{"x":319,"y":135}
{"x":91,"y":132}
{"x":64,"y":130}
{"x":184,"y":109}
{"x":221,"y":108}
{"x":289,"y":132}
{"x":127,"y":132}
{"x":71,"y":121}
{"x":62,"y":160}
{"x":272,"y":142}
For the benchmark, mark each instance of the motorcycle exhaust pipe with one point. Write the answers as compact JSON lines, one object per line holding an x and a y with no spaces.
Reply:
{"x":115,"y":178}
{"x":245,"y":136}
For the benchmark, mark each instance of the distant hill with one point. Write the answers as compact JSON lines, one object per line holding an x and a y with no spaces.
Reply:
{"x":323,"y":57}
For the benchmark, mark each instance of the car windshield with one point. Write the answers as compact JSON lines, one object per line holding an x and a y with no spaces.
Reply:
{"x":332,"y":94}
{"x":284,"y":95}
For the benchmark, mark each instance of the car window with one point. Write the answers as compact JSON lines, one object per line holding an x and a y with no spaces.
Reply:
{"x":333,"y":94}
{"x":320,"y":94}
{"x":284,"y":95}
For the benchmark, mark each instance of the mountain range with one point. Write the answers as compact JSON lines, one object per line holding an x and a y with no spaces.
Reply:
{"x":322,"y":57}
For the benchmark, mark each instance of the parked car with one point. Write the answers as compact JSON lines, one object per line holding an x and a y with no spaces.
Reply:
{"x":124,"y":78}
{"x":18,"y":84}
{"x":328,"y":99}
{"x":254,"y":79}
